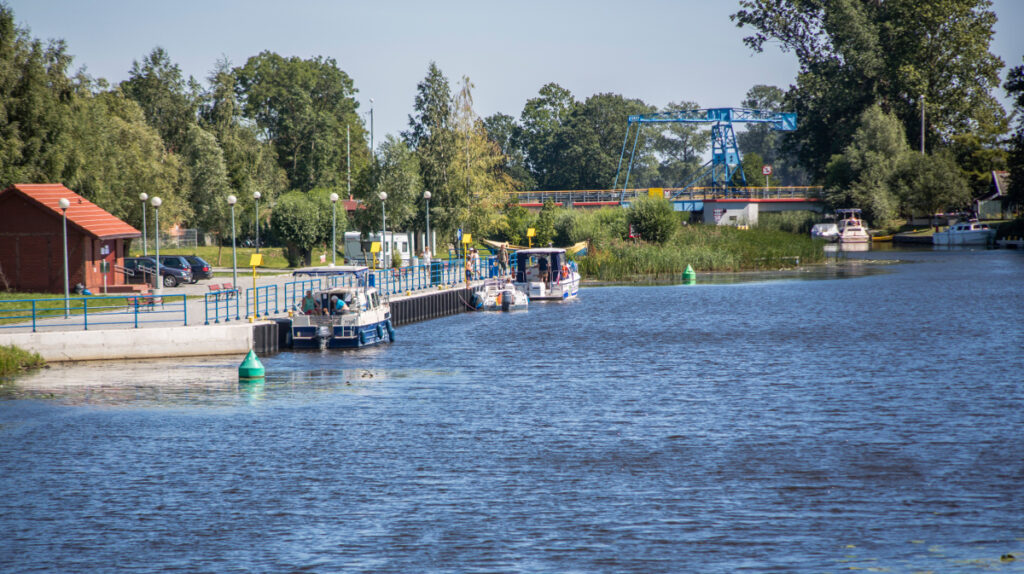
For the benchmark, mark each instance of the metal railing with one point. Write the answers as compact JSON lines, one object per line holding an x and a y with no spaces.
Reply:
{"x":262,"y":299}
{"x":221,"y":300}
{"x":614,"y":196}
{"x":93,"y":311}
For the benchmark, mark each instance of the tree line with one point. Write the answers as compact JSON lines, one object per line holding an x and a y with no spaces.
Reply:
{"x":291,"y":129}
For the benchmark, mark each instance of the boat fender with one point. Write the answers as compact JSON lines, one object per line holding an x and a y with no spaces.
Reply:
{"x":391,"y":330}
{"x":362,"y":337}
{"x":478,"y":301}
{"x":380,"y":331}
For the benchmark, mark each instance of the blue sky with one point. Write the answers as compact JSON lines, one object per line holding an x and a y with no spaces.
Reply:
{"x":658,"y":51}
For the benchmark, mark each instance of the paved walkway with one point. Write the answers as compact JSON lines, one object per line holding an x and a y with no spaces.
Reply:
{"x":120,"y":315}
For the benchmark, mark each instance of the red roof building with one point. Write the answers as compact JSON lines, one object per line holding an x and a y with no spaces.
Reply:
{"x":31,"y":240}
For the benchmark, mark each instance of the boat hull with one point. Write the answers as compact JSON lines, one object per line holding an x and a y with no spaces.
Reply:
{"x":342,"y":336}
{"x":558,"y":291}
{"x":974,"y":237}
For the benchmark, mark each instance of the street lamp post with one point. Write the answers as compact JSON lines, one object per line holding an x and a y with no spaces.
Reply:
{"x":334,"y":228}
{"x":143,"y":196}
{"x":371,"y":127}
{"x":384,"y":228}
{"x":426,"y":197}
{"x":64,"y":205}
{"x":922,"y":124}
{"x":157,"y":281}
{"x":232,"y":200}
{"x":256,"y":196}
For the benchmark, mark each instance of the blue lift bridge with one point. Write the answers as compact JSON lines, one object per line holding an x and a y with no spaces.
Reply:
{"x":725,"y":154}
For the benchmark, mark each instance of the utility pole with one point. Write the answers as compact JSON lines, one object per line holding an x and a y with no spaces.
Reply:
{"x":922,"y":124}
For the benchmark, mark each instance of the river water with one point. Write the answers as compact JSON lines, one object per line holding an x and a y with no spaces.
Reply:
{"x":867,"y":416}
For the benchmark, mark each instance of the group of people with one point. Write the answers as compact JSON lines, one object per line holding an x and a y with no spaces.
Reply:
{"x":337,"y":305}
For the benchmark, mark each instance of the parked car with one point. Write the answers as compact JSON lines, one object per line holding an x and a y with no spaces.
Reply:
{"x":141,"y":270}
{"x":200,"y":268}
{"x":178,"y":262}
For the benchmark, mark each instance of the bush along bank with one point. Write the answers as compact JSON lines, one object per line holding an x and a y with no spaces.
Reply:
{"x":14,"y":360}
{"x":706,"y":248}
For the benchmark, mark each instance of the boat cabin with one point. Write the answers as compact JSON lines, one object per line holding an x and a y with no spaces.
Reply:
{"x":544,"y":265}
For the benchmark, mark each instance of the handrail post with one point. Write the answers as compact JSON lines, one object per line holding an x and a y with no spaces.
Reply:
{"x":206,"y":310}
{"x":184,"y":309}
{"x":136,"y":301}
{"x":33,"y":315}
{"x":85,"y":314}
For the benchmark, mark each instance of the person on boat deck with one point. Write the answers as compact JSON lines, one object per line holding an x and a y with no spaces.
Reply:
{"x":542,"y":269}
{"x":340,"y":306}
{"x":308,"y":303}
{"x":565,"y":271}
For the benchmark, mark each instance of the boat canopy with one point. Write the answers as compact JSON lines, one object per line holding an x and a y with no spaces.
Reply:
{"x":546,"y":259}
{"x":358,"y":271}
{"x":852,"y":211}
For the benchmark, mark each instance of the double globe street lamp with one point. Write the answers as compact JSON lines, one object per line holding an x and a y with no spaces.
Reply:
{"x":334,"y":228}
{"x":256,"y":219}
{"x":64,"y":205}
{"x":232,"y":200}
{"x":145,"y":250}
{"x":384,"y":227}
{"x":157,"y":281}
{"x":426,"y":197}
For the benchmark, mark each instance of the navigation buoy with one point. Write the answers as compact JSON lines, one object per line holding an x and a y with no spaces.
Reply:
{"x":251,"y":367}
{"x":689,"y":276}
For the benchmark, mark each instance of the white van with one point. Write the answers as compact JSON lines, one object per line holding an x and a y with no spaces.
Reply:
{"x":357,"y":248}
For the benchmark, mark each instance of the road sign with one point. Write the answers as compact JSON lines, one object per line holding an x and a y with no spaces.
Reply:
{"x":766,"y":170}
{"x":458,"y":235}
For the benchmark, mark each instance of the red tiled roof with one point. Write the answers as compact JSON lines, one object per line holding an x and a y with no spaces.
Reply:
{"x":85,"y":214}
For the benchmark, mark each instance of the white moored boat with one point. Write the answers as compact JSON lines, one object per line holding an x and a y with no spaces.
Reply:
{"x":965,"y":233}
{"x":826,"y":231}
{"x":499,"y":295}
{"x":364,"y":318}
{"x":852,"y":228}
{"x":545,"y":273}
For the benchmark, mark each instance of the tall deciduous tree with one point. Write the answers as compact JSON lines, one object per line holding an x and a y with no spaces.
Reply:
{"x":856,"y":54}
{"x":1015,"y":161}
{"x":167,"y":99}
{"x":304,"y":106}
{"x":680,"y":149}
{"x":542,"y":119}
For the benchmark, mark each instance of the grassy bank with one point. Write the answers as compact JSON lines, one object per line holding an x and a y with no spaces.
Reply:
{"x":15,"y":360}
{"x":706,"y":248}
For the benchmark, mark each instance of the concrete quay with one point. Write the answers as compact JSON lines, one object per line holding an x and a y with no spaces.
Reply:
{"x":56,"y":340}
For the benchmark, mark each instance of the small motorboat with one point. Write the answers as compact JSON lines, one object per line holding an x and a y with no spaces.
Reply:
{"x":546,"y":273}
{"x":969,"y":232}
{"x":826,"y":231}
{"x":347,"y":314}
{"x":852,"y":228}
{"x":498,"y":295}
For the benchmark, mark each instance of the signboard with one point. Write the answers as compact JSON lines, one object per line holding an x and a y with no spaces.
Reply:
{"x":655,"y":192}
{"x":458,"y":234}
{"x":766,"y":170}
{"x":530,"y":232}
{"x":375,"y":247}
{"x":255,"y":260}
{"x":104,"y":266}
{"x":467,"y":238}
{"x":718,"y":212}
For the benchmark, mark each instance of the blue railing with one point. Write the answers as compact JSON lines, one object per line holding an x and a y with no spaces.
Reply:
{"x":95,"y":311}
{"x":263,"y":299}
{"x":294,"y":291}
{"x":220,"y":302}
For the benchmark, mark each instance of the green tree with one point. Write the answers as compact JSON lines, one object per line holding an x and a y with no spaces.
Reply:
{"x":653,"y":218}
{"x":544,"y":226}
{"x":1015,"y":160}
{"x":542,"y":119}
{"x":432,"y":135}
{"x":35,"y":105}
{"x":398,"y":173}
{"x":302,"y":222}
{"x":861,"y":175}
{"x":930,"y":183}
{"x":680,"y":149}
{"x":162,"y":92}
{"x":303,"y":108}
{"x":208,"y":181}
{"x":504,"y":131}
{"x":769,"y":143}
{"x":854,"y":55}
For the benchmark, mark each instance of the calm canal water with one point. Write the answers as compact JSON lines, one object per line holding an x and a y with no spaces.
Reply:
{"x":870,"y":418}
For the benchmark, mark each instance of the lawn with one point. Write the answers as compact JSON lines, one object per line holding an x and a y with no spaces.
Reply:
{"x":273,"y":257}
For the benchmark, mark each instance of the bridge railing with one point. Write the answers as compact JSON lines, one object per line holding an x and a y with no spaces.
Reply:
{"x":614,"y":196}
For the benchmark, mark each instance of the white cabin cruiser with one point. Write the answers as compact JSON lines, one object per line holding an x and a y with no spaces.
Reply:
{"x":546,"y":273}
{"x":965,"y":233}
{"x":852,"y":228}
{"x":347,"y":314}
{"x":500,"y":295}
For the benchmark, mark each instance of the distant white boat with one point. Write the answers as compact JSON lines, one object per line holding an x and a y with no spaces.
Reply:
{"x":545,"y":273}
{"x":965,"y":233}
{"x":499,"y":295}
{"x":826,"y":231}
{"x":851,"y":227}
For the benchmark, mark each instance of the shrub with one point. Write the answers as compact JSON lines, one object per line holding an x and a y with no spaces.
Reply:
{"x":654,"y":219}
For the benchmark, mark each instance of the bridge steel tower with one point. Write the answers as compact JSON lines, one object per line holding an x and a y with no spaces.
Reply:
{"x":725,"y":154}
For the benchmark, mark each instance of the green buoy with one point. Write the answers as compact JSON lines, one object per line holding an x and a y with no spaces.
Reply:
{"x":251,"y":367}
{"x":689,"y":276}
